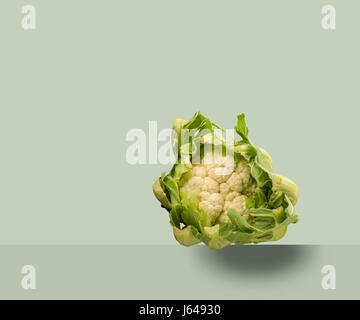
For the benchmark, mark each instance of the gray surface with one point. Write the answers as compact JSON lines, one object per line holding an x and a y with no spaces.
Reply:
{"x":173,"y":272}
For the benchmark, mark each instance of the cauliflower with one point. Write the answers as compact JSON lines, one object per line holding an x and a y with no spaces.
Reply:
{"x":228,"y":197}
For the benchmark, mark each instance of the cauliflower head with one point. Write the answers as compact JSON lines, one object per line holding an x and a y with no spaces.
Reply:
{"x":224,"y":197}
{"x":220,"y":185}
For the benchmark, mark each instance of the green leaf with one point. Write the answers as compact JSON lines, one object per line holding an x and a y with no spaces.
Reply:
{"x":216,"y":240}
{"x":277,"y":215}
{"x":191,"y":217}
{"x":246,"y":150}
{"x":263,"y":160}
{"x":239,"y":237}
{"x":267,"y":236}
{"x":186,"y":236}
{"x":225,"y":229}
{"x":239,"y":222}
{"x":264,"y":222}
{"x":241,"y":127}
{"x":175,"y":216}
{"x":169,"y":183}
{"x":199,"y":122}
{"x":160,"y":194}
{"x":276,"y":199}
{"x":262,"y":177}
{"x":291,"y":213}
{"x":171,"y":188}
{"x":286,"y":186}
{"x":199,"y":235}
{"x":178,"y":170}
{"x":278,"y":233}
{"x":257,"y":200}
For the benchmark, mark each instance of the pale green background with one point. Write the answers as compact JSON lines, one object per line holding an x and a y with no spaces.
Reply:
{"x":93,"y":70}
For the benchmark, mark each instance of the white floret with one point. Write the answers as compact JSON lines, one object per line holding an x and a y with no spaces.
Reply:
{"x":216,"y":198}
{"x":221,"y":169}
{"x":236,"y":182}
{"x":224,"y":188}
{"x":231,"y":196}
{"x":199,"y":171}
{"x":210,"y":185}
{"x":204,"y":195}
{"x":195,"y":183}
